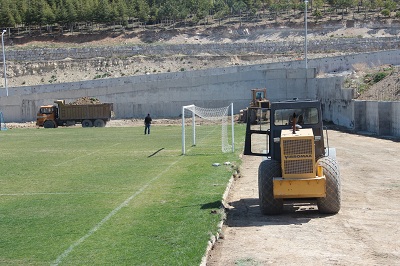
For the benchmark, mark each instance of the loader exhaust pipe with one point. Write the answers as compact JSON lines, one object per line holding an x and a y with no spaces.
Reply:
{"x":294,"y":123}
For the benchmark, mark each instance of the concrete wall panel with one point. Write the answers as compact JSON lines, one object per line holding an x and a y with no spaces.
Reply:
{"x":385,"y":118}
{"x":395,"y":121}
{"x":372,"y":117}
{"x":163,"y":95}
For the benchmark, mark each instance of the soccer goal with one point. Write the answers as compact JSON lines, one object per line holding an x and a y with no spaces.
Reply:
{"x":3,"y":125}
{"x":218,"y":116}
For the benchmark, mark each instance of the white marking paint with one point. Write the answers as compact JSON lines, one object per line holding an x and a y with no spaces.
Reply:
{"x":109,"y":216}
{"x":78,"y":157}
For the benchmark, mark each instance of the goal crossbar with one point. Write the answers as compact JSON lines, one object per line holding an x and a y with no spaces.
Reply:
{"x":213,"y":114}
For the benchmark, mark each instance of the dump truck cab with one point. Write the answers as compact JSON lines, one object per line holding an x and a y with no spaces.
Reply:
{"x":46,"y":113}
{"x":296,"y":164}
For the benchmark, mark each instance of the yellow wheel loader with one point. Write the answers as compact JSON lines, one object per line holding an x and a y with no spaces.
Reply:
{"x":297,"y":164}
{"x":252,"y":113}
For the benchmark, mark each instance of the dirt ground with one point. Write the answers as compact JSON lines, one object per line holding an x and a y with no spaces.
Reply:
{"x":364,"y":232}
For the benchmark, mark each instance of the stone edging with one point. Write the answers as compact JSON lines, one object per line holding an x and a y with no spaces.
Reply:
{"x":214,"y":238}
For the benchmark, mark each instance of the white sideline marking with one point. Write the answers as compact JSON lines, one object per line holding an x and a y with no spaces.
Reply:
{"x":78,"y":157}
{"x":108,"y":217}
{"x":57,"y":193}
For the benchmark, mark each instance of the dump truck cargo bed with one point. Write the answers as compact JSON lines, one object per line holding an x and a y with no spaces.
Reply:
{"x":89,"y":111}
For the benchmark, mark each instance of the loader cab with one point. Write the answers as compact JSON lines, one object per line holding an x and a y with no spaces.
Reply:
{"x":308,"y":114}
{"x":259,"y":98}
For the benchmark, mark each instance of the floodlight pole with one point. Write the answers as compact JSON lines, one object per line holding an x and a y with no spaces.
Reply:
{"x":4,"y":61}
{"x":305,"y":37}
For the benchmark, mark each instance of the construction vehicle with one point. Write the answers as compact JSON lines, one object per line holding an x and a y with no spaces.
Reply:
{"x":89,"y":115}
{"x":297,"y":165}
{"x":259,"y":100}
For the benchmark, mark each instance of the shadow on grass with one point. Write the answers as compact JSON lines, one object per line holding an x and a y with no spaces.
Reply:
{"x":212,"y":205}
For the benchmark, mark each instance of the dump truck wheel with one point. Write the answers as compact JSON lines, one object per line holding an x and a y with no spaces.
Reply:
{"x":48,"y":124}
{"x":331,"y":203}
{"x":87,"y":123}
{"x":99,"y":123}
{"x":266,"y":172}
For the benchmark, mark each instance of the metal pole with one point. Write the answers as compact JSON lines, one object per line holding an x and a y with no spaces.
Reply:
{"x":4,"y":61}
{"x":183,"y":131}
{"x":194,"y":125}
{"x":233,"y":129}
{"x":305,"y":37}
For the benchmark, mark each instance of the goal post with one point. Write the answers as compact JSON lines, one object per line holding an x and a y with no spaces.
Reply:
{"x":220,"y":115}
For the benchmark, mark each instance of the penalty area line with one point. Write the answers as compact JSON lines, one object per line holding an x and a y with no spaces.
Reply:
{"x":61,"y":257}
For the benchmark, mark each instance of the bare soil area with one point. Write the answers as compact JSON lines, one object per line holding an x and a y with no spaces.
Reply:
{"x":364,"y":232}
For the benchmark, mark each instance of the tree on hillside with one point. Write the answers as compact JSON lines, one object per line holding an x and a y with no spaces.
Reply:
{"x":102,"y":11}
{"x":48,"y":17}
{"x":84,"y":12}
{"x":221,"y":10}
{"x":199,"y":9}
{"x":6,"y":14}
{"x":142,"y":10}
{"x":318,"y":4}
{"x":342,"y":4}
{"x":38,"y":13}
{"x":389,"y":6}
{"x":238,"y":7}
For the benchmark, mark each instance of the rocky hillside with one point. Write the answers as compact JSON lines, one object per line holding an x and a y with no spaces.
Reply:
{"x":68,"y":70}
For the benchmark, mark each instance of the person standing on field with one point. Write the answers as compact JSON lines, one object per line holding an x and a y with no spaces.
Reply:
{"x":147,"y":123}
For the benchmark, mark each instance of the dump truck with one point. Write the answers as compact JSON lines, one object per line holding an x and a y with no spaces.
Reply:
{"x":61,"y":114}
{"x":297,"y":164}
{"x":259,"y":100}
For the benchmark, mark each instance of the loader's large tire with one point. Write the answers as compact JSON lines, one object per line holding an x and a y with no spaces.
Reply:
{"x":332,"y":202}
{"x":267,"y":170}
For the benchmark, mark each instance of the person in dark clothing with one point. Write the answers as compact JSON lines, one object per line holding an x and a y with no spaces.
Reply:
{"x":147,"y":123}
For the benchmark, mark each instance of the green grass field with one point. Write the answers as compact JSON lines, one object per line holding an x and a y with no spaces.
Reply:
{"x":105,"y":196}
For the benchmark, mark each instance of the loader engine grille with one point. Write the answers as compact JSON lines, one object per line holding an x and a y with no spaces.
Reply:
{"x":298,"y":159}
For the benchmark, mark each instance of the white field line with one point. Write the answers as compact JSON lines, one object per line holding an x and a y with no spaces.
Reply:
{"x":58,"y":193}
{"x":110,"y":215}
{"x":78,"y":157}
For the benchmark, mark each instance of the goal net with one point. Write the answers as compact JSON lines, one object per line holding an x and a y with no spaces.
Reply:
{"x":3,"y":125}
{"x":205,"y":129}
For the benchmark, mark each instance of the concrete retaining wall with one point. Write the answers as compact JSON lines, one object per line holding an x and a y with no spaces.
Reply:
{"x":379,"y":118}
{"x":163,"y":95}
